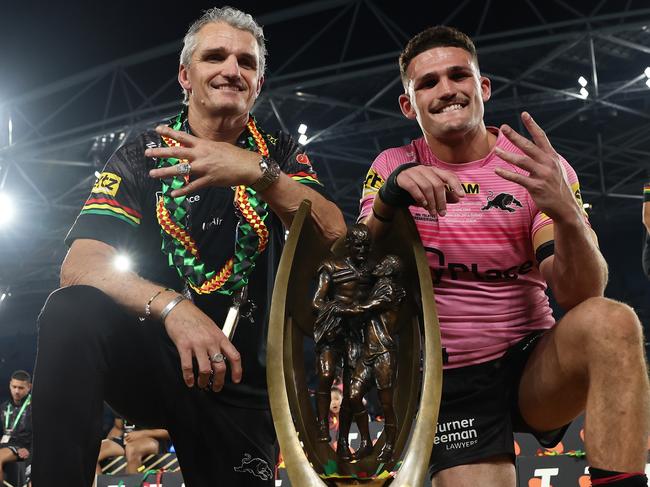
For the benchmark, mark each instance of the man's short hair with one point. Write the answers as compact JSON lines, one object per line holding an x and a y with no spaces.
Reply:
{"x":234,"y":18}
{"x":21,"y":375}
{"x":436,"y":36}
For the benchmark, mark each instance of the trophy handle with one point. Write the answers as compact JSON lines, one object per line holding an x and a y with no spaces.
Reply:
{"x":298,"y":468}
{"x":414,"y":466}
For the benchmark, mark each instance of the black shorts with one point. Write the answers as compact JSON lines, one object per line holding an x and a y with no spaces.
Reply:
{"x":479,"y":411}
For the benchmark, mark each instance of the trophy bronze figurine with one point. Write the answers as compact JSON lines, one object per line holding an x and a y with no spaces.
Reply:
{"x":369,"y":309}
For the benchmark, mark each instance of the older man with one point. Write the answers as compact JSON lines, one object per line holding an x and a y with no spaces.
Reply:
{"x":173,"y":190}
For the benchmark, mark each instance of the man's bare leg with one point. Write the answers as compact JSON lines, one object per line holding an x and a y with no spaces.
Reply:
{"x":6,"y":456}
{"x":108,"y":449}
{"x":492,"y":472}
{"x":593,"y":360}
{"x":137,"y":450}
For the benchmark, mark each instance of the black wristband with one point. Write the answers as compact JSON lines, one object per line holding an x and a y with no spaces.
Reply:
{"x":391,"y":194}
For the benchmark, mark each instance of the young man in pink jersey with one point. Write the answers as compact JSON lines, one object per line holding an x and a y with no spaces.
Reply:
{"x":500,"y":217}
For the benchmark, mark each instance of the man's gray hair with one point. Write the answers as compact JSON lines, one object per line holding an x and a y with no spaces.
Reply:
{"x":231,"y":16}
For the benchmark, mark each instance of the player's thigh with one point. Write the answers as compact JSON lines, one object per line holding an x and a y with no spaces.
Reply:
{"x":497,"y":471}
{"x":6,"y":455}
{"x":554,"y":383}
{"x":144,"y":446}
{"x":110,"y":449}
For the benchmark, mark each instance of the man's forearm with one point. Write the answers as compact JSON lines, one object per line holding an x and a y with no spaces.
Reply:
{"x":126,"y":288}
{"x":284,"y":198}
{"x":579,"y":269}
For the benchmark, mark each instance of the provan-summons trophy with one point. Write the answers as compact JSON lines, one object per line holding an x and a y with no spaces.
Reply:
{"x":369,"y":309}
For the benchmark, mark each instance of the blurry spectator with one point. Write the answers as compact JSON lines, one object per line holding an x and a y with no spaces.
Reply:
{"x":125,"y":439}
{"x":646,"y":222}
{"x":335,"y":408}
{"x":16,"y":417}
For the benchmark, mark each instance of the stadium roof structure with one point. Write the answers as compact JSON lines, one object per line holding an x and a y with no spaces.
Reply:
{"x":333,"y":67}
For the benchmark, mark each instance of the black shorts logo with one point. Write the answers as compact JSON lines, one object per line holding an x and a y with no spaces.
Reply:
{"x":255,"y":466}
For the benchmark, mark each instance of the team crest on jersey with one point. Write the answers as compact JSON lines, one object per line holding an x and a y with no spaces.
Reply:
{"x":502,"y":201}
{"x":303,"y":159}
{"x":107,"y":183}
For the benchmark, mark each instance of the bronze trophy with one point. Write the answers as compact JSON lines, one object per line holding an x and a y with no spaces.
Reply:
{"x":371,"y":315}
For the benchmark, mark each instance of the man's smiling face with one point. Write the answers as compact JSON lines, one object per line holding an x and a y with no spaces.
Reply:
{"x":223,"y":76}
{"x":445,"y":93}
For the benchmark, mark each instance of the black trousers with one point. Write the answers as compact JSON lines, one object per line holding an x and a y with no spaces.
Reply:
{"x":89,"y":351}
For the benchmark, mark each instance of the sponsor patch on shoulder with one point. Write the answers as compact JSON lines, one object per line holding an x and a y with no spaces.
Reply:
{"x":107,"y":183}
{"x":373,"y":180}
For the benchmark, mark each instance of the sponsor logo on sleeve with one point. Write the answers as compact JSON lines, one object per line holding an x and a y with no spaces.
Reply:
{"x":107,"y":183}
{"x":372,"y":183}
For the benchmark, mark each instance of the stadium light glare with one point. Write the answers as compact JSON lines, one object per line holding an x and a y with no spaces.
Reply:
{"x":7,"y":209}
{"x":584,"y":93}
{"x":302,"y":140}
{"x":122,"y":262}
{"x":582,"y":81}
{"x":302,"y":129}
{"x":646,"y":71}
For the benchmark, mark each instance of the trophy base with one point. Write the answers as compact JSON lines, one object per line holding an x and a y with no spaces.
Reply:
{"x":366,"y":483}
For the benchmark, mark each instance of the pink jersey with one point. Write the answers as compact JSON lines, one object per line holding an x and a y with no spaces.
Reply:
{"x":489,"y":290}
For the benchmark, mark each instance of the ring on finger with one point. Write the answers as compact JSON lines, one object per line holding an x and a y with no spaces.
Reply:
{"x":217,"y":358}
{"x":183,"y":169}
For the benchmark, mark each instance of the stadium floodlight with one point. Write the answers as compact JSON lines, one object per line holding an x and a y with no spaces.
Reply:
{"x":7,"y":209}
{"x":302,"y":129}
{"x":582,"y":81}
{"x":122,"y":262}
{"x":584,"y":93}
{"x":302,"y":140}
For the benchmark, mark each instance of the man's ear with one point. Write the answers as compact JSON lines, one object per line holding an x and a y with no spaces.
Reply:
{"x":486,"y":88}
{"x":406,"y":106}
{"x":183,"y":78}
{"x":260,"y":82}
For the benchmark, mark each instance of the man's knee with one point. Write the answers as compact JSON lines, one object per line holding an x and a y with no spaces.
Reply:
{"x":76,"y":309}
{"x":608,"y":324}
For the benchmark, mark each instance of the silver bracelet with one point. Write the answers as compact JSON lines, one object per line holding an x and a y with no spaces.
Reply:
{"x":172,"y":304}
{"x":147,"y":307}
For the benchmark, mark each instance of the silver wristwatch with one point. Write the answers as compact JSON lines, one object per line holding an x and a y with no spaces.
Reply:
{"x":270,"y":174}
